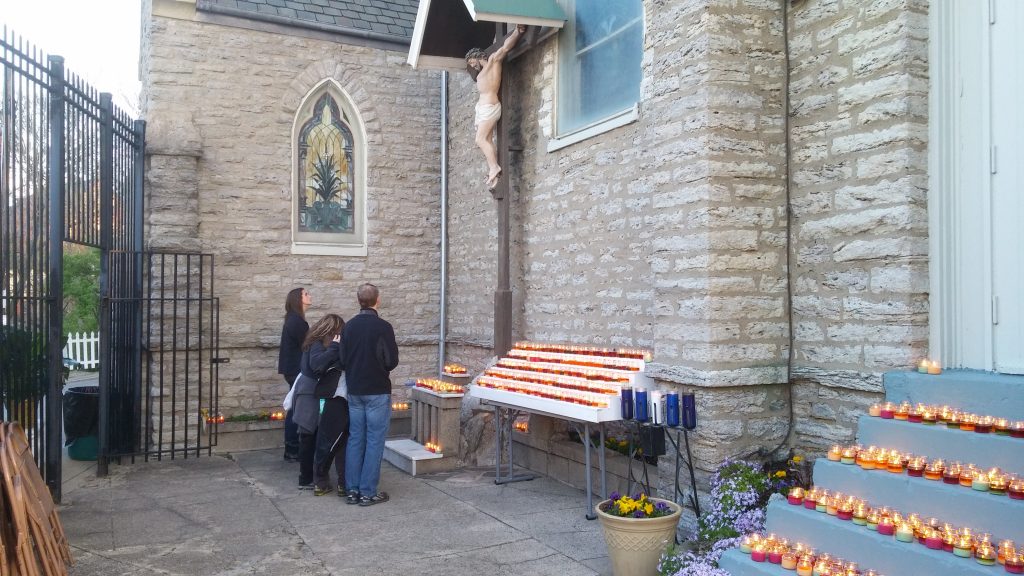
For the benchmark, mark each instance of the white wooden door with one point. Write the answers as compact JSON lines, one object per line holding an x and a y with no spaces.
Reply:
{"x":1007,"y":168}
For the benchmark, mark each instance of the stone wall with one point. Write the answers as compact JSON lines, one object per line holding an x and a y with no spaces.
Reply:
{"x":667,"y":233}
{"x":221,"y":102}
{"x":858,"y":129}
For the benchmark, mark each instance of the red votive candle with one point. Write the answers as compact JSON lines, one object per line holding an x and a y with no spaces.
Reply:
{"x":775,"y":556}
{"x":1016,"y":489}
{"x":795,"y":496}
{"x":810,"y":499}
{"x":1017,"y":431}
{"x":844,"y":514}
{"x":915,"y":467}
{"x":1013,"y":563}
{"x":933,"y":540}
{"x":888,"y":411}
{"x":886,"y":527}
{"x":757,"y":554}
{"x":984,"y":425}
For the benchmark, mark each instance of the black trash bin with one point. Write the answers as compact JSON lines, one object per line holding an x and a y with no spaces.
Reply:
{"x":81,"y":421}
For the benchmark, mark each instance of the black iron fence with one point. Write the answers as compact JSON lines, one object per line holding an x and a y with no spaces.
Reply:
{"x":70,"y":171}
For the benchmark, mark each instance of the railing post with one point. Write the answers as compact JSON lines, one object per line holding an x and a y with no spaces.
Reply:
{"x":138,"y":239}
{"x":55,"y":278}
{"x":106,"y":244}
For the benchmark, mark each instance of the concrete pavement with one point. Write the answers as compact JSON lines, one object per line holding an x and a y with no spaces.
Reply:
{"x":242,"y":514}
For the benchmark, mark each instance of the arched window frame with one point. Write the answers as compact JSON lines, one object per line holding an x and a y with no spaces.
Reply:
{"x":330,"y":243}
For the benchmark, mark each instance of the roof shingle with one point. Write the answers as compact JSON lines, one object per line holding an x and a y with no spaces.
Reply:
{"x":388,"y":17}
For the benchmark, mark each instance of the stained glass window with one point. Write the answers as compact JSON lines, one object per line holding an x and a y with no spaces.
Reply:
{"x":326,"y":174}
{"x":329,"y":210}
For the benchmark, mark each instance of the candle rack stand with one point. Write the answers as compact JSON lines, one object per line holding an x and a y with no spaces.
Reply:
{"x":680,"y":444}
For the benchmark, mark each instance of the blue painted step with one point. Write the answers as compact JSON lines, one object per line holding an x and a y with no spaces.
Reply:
{"x":739,"y":564}
{"x":998,"y":395}
{"x":869,"y":549}
{"x":941,"y":442}
{"x":981,"y":511}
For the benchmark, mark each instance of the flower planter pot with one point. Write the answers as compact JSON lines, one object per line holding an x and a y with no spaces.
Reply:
{"x":635,"y":544}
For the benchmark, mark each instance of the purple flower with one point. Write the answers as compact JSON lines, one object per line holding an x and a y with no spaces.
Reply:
{"x":614,"y":496}
{"x":638,"y":514}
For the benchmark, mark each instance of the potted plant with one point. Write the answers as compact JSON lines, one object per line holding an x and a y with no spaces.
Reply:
{"x":637,"y":530}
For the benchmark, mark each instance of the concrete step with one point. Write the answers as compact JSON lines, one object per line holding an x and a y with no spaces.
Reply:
{"x":867,"y":548}
{"x":739,"y":564}
{"x":412,"y":458}
{"x":982,"y":450}
{"x":999,"y":395}
{"x":981,"y":511}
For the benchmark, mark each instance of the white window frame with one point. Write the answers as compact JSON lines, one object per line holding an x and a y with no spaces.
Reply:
{"x":358,"y":247}
{"x":628,"y":115}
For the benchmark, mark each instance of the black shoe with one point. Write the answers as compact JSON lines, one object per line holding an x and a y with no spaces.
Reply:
{"x":352,"y":497}
{"x":289,"y":457}
{"x":379,"y":498}
{"x":307,"y":486}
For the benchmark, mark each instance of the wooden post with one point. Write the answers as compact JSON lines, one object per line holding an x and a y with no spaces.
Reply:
{"x":503,"y":292}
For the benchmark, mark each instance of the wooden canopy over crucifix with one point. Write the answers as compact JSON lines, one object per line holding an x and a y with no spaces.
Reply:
{"x":445,"y":30}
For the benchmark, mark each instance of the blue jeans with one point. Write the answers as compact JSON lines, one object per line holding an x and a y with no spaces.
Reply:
{"x":369,"y":417}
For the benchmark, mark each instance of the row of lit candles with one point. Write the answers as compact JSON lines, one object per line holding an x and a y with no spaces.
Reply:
{"x":400,"y":406}
{"x":433,"y":447}
{"x":951,"y":418}
{"x":454,"y":369}
{"x":797,"y":556}
{"x":931,"y":532}
{"x":632,"y":353}
{"x":567,"y":382}
{"x":929,"y":367}
{"x":591,"y":374}
{"x":993,"y":480}
{"x":543,"y":391}
{"x":556,"y":358}
{"x":220,"y":419}
{"x":440,"y":386}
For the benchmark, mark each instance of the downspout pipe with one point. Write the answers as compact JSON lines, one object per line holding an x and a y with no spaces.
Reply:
{"x":443,"y":324}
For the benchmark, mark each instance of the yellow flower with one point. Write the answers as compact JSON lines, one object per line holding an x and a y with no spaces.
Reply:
{"x":649,"y":509}
{"x":798,"y":459}
{"x":780,"y":474}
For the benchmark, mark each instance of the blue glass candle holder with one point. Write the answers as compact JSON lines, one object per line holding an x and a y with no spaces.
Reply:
{"x":626,"y":400}
{"x":689,"y":411}
{"x":640,"y":404}
{"x":672,"y":409}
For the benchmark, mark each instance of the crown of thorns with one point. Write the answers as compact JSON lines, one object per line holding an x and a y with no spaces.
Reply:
{"x":475,"y":53}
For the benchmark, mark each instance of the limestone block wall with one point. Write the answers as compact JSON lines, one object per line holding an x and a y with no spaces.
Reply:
{"x":858,"y":89}
{"x":667,"y":233}
{"x":221,"y":103}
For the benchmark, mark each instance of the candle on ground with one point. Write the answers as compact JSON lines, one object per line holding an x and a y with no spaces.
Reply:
{"x":934,"y":368}
{"x":922,"y":366}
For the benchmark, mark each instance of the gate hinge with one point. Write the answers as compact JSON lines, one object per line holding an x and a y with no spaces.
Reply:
{"x":220,"y":360}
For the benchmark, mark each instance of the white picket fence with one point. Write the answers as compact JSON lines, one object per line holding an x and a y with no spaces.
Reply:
{"x":84,"y":347}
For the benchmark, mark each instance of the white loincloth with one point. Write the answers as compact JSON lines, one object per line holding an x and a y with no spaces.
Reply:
{"x":485,"y":112}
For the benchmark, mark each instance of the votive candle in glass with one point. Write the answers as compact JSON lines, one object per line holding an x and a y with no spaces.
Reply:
{"x":867,"y":459}
{"x":904,"y":533}
{"x":1017,"y":430}
{"x":821,"y":505}
{"x":944,"y":414}
{"x":953,"y":421}
{"x":984,"y":425}
{"x":888,"y":411}
{"x":811,"y":498}
{"x":875,"y":410}
{"x":962,"y":546}
{"x":845,"y":509}
{"x":967,"y":475}
{"x":933,"y":471}
{"x":980,"y":481}
{"x":805,"y":566}
{"x":915,"y":414}
{"x":903,"y":411}
{"x":916,"y":466}
{"x":775,"y":554}
{"x":886,"y":527}
{"x":758,"y":552}
{"x":951,"y":475}
{"x":1016,"y":489}
{"x":832,"y":504}
{"x":997,"y":482}
{"x":789,"y":559}
{"x":835,"y":453}
{"x":967,"y":422}
{"x":932,"y":539}
{"x":934,"y":368}
{"x":1013,"y":563}
{"x":872,"y":520}
{"x":860,"y":514}
{"x":748,"y":542}
{"x":928,"y":417}
{"x":1002,"y":427}
{"x":1005,"y":547}
{"x":922,"y":366}
{"x":985,"y":554}
{"x":848,"y":455}
{"x":895,"y":463}
{"x":626,"y":402}
{"x":640,"y":407}
{"x":948,"y":541}
{"x":795,"y":496}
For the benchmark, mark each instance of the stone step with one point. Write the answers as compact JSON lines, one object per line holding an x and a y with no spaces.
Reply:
{"x":982,"y":450}
{"x":867,"y":548}
{"x":998,"y":395}
{"x":981,"y":511}
{"x":412,"y":458}
{"x":739,"y":564}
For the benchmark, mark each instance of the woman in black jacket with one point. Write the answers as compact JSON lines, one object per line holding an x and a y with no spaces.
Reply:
{"x":292,"y":335}
{"x":321,"y":351}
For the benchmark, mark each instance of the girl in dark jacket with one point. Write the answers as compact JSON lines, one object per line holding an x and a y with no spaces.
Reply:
{"x":321,"y":350}
{"x":290,"y":354}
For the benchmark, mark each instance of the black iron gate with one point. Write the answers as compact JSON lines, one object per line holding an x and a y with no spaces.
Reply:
{"x":165,"y":336}
{"x":71,"y":170}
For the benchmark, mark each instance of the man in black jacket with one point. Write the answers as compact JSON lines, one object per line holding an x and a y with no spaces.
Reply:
{"x":370,"y":354}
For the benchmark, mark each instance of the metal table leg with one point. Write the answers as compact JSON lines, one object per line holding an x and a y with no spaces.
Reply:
{"x":586,"y":465}
{"x":601,"y":465}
